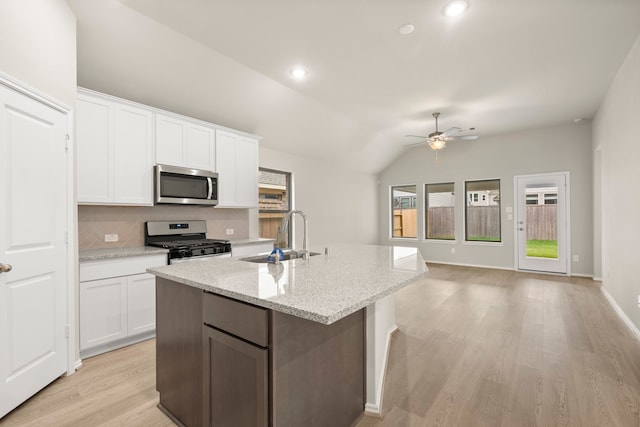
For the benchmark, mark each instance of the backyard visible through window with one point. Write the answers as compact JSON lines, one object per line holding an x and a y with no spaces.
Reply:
{"x":440,"y":215}
{"x":403,"y":211}
{"x":482,"y":211}
{"x":274,"y":201}
{"x":542,"y":221}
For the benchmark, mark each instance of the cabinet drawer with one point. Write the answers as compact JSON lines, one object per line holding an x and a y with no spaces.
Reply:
{"x":243,"y":320}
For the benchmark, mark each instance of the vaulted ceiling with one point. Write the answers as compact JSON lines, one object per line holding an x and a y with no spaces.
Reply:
{"x":500,"y":67}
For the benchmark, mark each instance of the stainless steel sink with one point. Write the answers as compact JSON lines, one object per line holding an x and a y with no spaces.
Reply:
{"x":288,"y":254}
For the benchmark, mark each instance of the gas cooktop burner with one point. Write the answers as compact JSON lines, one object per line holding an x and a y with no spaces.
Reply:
{"x":186,"y":240}
{"x":179,"y":244}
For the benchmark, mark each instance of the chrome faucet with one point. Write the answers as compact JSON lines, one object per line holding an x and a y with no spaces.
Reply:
{"x":285,"y":224}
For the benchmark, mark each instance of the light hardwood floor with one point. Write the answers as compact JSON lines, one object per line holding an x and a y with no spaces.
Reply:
{"x":476,"y":347}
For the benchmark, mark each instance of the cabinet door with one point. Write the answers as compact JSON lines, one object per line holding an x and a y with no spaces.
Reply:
{"x":103,"y":311}
{"x":237,"y":167}
{"x":226,"y":167}
{"x":170,"y":141}
{"x":246,"y":172}
{"x":235,"y":381}
{"x":200,"y":147}
{"x":141,"y":302}
{"x":94,"y":150}
{"x":133,"y":151}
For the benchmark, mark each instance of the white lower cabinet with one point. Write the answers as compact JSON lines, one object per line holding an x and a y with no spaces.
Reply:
{"x":141,"y":303}
{"x":120,"y":310}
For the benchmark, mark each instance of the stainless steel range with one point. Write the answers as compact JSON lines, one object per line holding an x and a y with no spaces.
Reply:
{"x":186,"y":240}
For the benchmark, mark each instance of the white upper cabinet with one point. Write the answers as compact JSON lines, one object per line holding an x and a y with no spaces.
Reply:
{"x":182,"y":143}
{"x":115,"y":152}
{"x":237,"y":167}
{"x":119,"y":141}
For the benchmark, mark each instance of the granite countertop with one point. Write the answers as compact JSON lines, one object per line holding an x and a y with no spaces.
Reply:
{"x":324,"y":288}
{"x":99,"y":254}
{"x":250,"y":241}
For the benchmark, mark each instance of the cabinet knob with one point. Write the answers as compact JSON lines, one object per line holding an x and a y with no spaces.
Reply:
{"x":5,"y":268}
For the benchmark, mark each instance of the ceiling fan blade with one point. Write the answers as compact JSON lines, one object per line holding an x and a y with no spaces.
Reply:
{"x":451,"y":131}
{"x":462,"y":138}
{"x":416,"y":136}
{"x":415,"y":144}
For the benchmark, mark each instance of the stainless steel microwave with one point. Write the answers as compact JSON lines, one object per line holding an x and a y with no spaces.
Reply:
{"x":185,"y":186}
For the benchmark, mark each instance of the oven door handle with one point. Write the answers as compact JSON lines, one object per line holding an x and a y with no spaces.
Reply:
{"x":210,"y":182}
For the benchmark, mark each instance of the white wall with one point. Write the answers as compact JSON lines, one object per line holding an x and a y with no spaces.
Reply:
{"x":38,"y":46}
{"x":615,"y":131}
{"x":124,"y":53}
{"x":339,"y":203}
{"x":555,"y":149}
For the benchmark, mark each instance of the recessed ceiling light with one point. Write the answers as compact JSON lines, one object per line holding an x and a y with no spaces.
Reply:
{"x":298,"y":73}
{"x":455,"y":8}
{"x":406,"y":29}
{"x":578,"y":120}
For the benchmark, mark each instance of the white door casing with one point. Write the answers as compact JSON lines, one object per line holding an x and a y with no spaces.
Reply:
{"x":559,"y":264}
{"x":34,"y":217}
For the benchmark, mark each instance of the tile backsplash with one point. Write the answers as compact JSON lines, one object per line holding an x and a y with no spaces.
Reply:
{"x":128,"y":223}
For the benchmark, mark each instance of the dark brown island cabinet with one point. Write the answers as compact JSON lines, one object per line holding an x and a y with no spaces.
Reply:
{"x":226,"y":363}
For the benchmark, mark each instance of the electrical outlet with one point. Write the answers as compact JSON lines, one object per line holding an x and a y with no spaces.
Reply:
{"x":453,"y":250}
{"x":230,"y":231}
{"x":638,"y":301}
{"x":576,"y":258}
{"x":110,"y":238}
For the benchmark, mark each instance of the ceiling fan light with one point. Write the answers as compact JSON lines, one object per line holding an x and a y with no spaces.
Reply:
{"x":456,"y":8}
{"x":437,"y":144}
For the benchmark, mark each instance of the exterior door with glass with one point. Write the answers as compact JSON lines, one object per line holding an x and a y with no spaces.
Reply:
{"x":542,"y":242}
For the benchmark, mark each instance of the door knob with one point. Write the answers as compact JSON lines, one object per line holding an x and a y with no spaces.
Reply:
{"x":5,"y":268}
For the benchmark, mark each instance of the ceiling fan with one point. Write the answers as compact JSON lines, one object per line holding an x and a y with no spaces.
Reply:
{"x":438,"y":140}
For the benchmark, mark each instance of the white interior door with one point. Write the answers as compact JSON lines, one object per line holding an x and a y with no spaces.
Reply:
{"x":542,"y":222}
{"x":33,"y":218}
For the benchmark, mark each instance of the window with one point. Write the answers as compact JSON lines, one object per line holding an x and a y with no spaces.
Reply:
{"x":482,"y":214}
{"x":274,"y":201}
{"x":439,"y":211}
{"x":404,"y":219}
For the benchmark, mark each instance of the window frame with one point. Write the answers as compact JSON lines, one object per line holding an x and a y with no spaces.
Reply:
{"x":413,"y":205}
{"x":468,"y":204}
{"x":425,"y":216}
{"x":289,"y":202}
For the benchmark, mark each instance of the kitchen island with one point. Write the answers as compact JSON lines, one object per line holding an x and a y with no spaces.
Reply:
{"x":273,"y":344}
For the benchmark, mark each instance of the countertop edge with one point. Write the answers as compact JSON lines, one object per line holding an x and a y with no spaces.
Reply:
{"x":301,"y":313}
{"x":115,"y":253}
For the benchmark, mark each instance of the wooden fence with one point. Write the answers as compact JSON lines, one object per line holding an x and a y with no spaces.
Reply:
{"x":441,"y":223}
{"x":483,"y":222}
{"x":542,"y":222}
{"x":404,"y":223}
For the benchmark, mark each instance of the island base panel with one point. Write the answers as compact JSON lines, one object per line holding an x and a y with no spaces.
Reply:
{"x":179,"y":351}
{"x":318,"y":371}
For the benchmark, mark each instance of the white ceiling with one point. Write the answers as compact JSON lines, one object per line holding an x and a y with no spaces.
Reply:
{"x":502,"y":66}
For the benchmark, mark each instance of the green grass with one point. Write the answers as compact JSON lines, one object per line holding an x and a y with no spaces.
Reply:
{"x":542,"y":248}
{"x":483,"y":239}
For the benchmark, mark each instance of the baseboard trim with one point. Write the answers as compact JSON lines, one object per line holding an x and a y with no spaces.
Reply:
{"x":468,"y":265}
{"x":632,"y":327}
{"x":78,"y":364}
{"x":375,"y":409}
{"x":588,"y":276}
{"x":597,"y":279}
{"x":114,"y":345}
